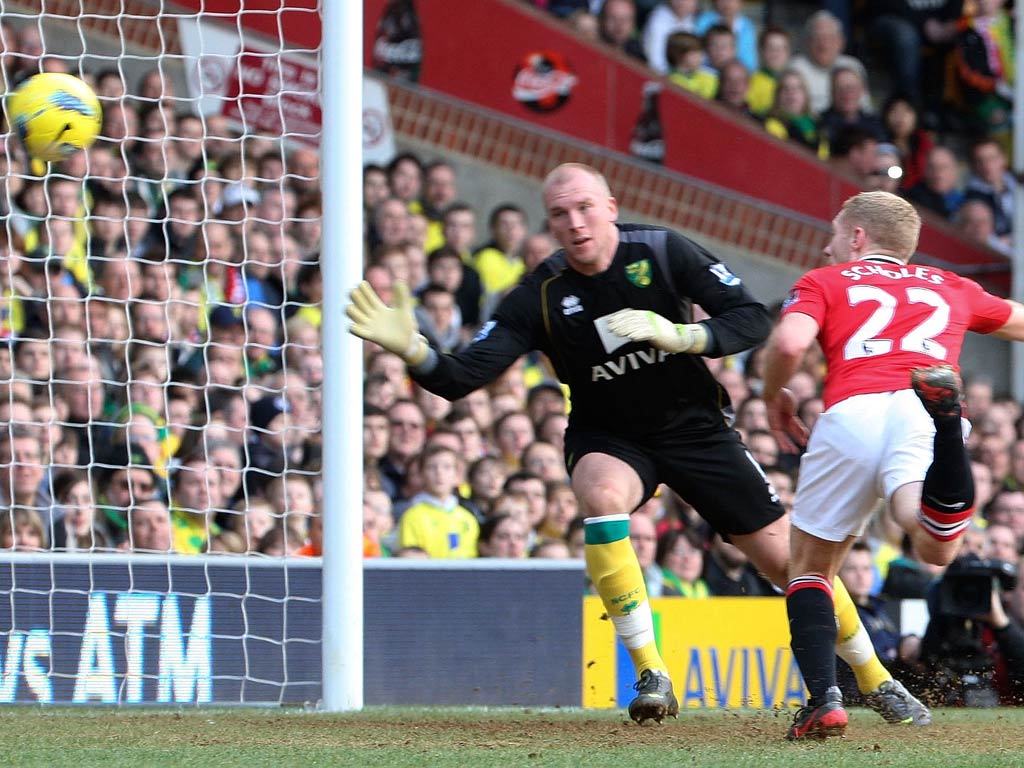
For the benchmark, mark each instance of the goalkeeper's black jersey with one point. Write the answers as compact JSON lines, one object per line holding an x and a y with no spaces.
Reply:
{"x":617,"y":386}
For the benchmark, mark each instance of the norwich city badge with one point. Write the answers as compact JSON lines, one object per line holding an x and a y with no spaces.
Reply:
{"x":639,"y":273}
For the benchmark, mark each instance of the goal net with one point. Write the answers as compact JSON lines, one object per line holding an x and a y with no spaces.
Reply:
{"x":160,"y":371}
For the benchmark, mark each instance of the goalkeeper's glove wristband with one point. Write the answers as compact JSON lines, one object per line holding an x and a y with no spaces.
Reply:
{"x":417,"y":350}
{"x":693,"y":339}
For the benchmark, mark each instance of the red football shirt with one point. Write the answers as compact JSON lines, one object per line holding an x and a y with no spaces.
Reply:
{"x":879,"y":318}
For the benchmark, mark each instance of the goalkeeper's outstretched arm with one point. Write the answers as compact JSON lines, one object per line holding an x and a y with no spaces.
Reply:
{"x":393,"y":328}
{"x":451,"y":376}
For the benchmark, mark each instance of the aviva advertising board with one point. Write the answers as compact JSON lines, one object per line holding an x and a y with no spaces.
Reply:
{"x":723,"y":652}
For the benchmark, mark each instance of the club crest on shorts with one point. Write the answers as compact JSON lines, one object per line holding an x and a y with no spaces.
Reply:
{"x":639,"y":273}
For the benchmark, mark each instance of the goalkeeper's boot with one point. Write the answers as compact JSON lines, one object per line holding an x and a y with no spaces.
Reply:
{"x":939,"y":389}
{"x":820,"y":719}
{"x":896,"y":705}
{"x":654,"y":699}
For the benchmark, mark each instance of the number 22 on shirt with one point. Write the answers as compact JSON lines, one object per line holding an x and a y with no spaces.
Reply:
{"x":869,"y":339}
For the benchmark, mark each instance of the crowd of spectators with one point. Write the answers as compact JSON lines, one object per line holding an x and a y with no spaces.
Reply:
{"x":160,"y":362}
{"x":934,"y":126}
{"x":483,"y":476}
{"x":493,"y":460}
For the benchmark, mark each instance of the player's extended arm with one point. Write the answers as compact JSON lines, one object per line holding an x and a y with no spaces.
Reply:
{"x":494,"y":348}
{"x":1013,"y":328}
{"x":643,"y":325}
{"x":785,"y":350}
{"x":393,"y":328}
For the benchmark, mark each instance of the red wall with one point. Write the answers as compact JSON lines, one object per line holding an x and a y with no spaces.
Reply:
{"x":471,"y":49}
{"x":298,"y":20}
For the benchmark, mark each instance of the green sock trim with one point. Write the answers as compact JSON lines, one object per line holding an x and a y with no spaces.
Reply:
{"x":606,"y":531}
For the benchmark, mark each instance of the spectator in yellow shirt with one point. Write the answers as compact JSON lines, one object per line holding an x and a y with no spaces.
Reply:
{"x":13,"y":288}
{"x":773,"y":52}
{"x":405,"y":179}
{"x":440,"y":189}
{"x":498,"y":262}
{"x":685,"y":53}
{"x":195,"y":495}
{"x":436,"y":522}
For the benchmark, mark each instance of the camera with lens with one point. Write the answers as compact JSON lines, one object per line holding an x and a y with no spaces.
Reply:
{"x":962,"y":664}
{"x":965,"y":590}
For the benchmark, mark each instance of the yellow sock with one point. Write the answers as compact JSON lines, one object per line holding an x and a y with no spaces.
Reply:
{"x":615,"y":573}
{"x":853,"y":644}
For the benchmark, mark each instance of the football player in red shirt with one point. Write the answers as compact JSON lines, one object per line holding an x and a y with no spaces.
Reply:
{"x":891,"y":333}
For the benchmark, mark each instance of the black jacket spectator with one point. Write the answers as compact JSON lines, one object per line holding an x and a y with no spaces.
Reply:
{"x":944,"y":205}
{"x":831,"y":123}
{"x":721,"y":584}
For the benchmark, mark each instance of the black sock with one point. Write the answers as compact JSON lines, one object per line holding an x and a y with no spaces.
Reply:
{"x":812,"y":627}
{"x":949,"y":484}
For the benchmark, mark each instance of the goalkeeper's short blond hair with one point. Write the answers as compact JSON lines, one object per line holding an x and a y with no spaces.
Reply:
{"x":890,"y":222}
{"x":563,"y":171}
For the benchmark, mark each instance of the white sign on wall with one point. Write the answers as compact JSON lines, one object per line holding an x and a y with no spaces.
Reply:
{"x":378,"y":134}
{"x":267,"y":91}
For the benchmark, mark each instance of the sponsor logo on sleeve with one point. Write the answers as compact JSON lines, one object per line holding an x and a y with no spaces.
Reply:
{"x":484,"y":331}
{"x":725,"y":277}
{"x":791,"y":299}
{"x":571,"y":305}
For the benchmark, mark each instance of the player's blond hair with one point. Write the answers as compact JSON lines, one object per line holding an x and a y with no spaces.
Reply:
{"x":890,"y":222}
{"x":561,"y":173}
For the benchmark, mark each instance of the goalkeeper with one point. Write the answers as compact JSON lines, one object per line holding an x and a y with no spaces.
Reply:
{"x":612,"y":311}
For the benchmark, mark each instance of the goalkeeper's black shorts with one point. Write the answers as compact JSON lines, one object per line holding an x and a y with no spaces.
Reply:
{"x":714,"y":473}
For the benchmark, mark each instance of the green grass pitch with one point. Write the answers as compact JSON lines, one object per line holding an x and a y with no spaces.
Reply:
{"x":503,"y":738}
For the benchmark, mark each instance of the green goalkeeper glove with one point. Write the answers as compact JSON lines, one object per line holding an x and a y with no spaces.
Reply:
{"x":644,"y":325}
{"x":393,"y":328}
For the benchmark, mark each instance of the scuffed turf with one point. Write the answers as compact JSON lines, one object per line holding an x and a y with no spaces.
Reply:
{"x":503,"y":738}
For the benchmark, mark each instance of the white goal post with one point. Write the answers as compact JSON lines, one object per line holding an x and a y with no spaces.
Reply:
{"x":174,"y":368}
{"x":342,"y":164}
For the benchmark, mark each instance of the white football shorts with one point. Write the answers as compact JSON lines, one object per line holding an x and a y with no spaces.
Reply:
{"x":861,"y":450}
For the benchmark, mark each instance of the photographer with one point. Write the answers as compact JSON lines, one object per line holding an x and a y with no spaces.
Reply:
{"x":973,"y":651}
